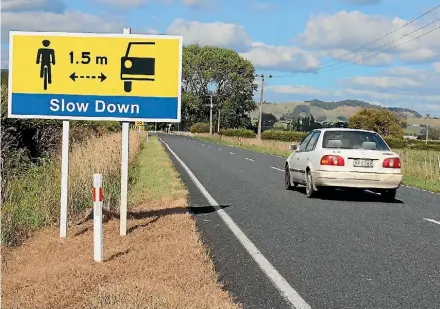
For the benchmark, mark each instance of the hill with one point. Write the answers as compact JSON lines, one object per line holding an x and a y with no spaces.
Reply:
{"x":337,"y":111}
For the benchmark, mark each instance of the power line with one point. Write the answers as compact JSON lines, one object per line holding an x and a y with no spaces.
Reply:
{"x":383,"y":45}
{"x":323,"y":66}
{"x":383,"y":36}
{"x":388,"y":49}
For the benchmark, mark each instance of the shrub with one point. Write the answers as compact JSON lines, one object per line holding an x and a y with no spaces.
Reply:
{"x":238,"y":133}
{"x":285,"y":136}
{"x":200,"y":127}
{"x":400,"y":143}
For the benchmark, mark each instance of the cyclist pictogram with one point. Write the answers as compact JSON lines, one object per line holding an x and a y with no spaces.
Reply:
{"x":45,"y":58}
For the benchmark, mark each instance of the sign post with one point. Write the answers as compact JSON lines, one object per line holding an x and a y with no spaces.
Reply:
{"x":64,"y":178}
{"x":88,"y":76}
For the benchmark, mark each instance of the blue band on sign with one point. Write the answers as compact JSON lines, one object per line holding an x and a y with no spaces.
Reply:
{"x":94,"y":106}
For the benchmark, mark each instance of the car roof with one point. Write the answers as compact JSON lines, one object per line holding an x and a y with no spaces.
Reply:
{"x":343,"y":129}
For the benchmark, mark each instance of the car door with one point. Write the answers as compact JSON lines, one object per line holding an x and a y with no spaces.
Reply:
{"x":304,"y":158}
{"x":294,"y":160}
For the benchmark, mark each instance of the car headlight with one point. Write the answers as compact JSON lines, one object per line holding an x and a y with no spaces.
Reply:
{"x":128,"y":64}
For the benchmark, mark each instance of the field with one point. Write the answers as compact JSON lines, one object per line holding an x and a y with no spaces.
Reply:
{"x":160,"y":264}
{"x":278,"y":109}
{"x":421,"y":168}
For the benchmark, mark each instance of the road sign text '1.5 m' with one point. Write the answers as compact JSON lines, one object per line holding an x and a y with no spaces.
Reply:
{"x":82,"y":76}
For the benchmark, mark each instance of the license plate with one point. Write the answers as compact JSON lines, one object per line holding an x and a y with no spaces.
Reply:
{"x":363,"y":163}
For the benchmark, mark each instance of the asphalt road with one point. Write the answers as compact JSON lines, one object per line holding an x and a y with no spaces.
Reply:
{"x":336,"y":251}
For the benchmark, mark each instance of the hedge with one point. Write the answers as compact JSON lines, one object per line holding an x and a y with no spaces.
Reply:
{"x":199,"y":127}
{"x":285,"y":136}
{"x":238,"y":133}
{"x":401,"y":143}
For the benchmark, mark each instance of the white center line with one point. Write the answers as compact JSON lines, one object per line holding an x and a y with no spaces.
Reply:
{"x":219,"y":149}
{"x":250,"y":159}
{"x":286,"y":290}
{"x":276,"y":168}
{"x":432,"y":220}
{"x":203,"y":144}
{"x":231,"y":152}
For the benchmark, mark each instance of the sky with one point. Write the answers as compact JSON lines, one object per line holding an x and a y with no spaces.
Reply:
{"x":322,"y":49}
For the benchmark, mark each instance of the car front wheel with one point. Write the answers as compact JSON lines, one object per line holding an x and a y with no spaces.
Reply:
{"x":287,"y":183}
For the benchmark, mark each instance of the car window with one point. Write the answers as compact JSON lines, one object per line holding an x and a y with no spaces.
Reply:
{"x":353,"y":139}
{"x":313,"y":140}
{"x":304,"y":143}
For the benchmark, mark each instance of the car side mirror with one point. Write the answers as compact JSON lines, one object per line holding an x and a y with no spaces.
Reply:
{"x":293,"y":147}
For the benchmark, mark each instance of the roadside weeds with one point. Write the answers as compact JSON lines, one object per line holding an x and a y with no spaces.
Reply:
{"x":161,"y":263}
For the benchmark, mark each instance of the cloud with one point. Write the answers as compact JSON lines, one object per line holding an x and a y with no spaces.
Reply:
{"x":56,"y":6}
{"x":216,"y":33}
{"x":399,"y":80}
{"x":281,"y":58}
{"x":399,"y":86}
{"x":70,"y":21}
{"x":4,"y":57}
{"x":336,"y":34}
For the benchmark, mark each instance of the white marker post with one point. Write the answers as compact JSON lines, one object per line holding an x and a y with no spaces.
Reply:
{"x":124,"y":172}
{"x":97,"y":218}
{"x":64,"y":179}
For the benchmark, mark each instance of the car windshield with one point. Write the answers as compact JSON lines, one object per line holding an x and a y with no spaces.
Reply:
{"x":353,"y":140}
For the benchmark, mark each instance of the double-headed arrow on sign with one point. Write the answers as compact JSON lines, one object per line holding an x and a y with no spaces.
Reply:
{"x":102,"y":77}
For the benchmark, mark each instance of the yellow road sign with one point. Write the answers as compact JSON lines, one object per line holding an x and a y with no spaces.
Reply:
{"x":139,"y":124}
{"x":95,"y":76}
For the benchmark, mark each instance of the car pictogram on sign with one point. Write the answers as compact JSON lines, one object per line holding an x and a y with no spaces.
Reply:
{"x":135,"y":67}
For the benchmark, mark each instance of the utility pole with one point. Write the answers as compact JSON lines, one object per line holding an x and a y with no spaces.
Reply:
{"x":210,"y":116}
{"x":427,"y":129}
{"x":211,"y":106}
{"x":261,"y":104}
{"x":218,"y":123}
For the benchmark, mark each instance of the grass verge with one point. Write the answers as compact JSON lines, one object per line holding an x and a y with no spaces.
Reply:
{"x":32,"y":201}
{"x":160,"y":264}
{"x":421,"y":168}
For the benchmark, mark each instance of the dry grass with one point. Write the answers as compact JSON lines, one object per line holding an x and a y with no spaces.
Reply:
{"x":266,"y":146}
{"x":103,"y":156}
{"x":32,"y":201}
{"x":161,"y":263}
{"x":420,"y":167}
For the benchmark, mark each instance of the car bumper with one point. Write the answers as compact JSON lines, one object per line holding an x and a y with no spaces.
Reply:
{"x":357,"y":180}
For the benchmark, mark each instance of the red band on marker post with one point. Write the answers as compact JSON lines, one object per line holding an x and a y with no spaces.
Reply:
{"x":98,"y":195}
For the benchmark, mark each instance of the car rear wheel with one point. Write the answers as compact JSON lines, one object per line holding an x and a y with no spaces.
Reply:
{"x":389,"y":195}
{"x":310,"y":192}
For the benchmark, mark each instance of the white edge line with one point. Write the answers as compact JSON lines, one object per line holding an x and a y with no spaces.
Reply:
{"x":432,"y":220}
{"x":290,"y":295}
{"x":276,"y":168}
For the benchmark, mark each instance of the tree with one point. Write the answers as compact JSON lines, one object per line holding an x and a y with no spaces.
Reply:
{"x":223,"y":73}
{"x":268,"y":120}
{"x":381,"y":121}
{"x":434,"y":133}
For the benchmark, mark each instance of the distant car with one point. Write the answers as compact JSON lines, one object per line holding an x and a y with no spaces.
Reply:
{"x":344,"y":158}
